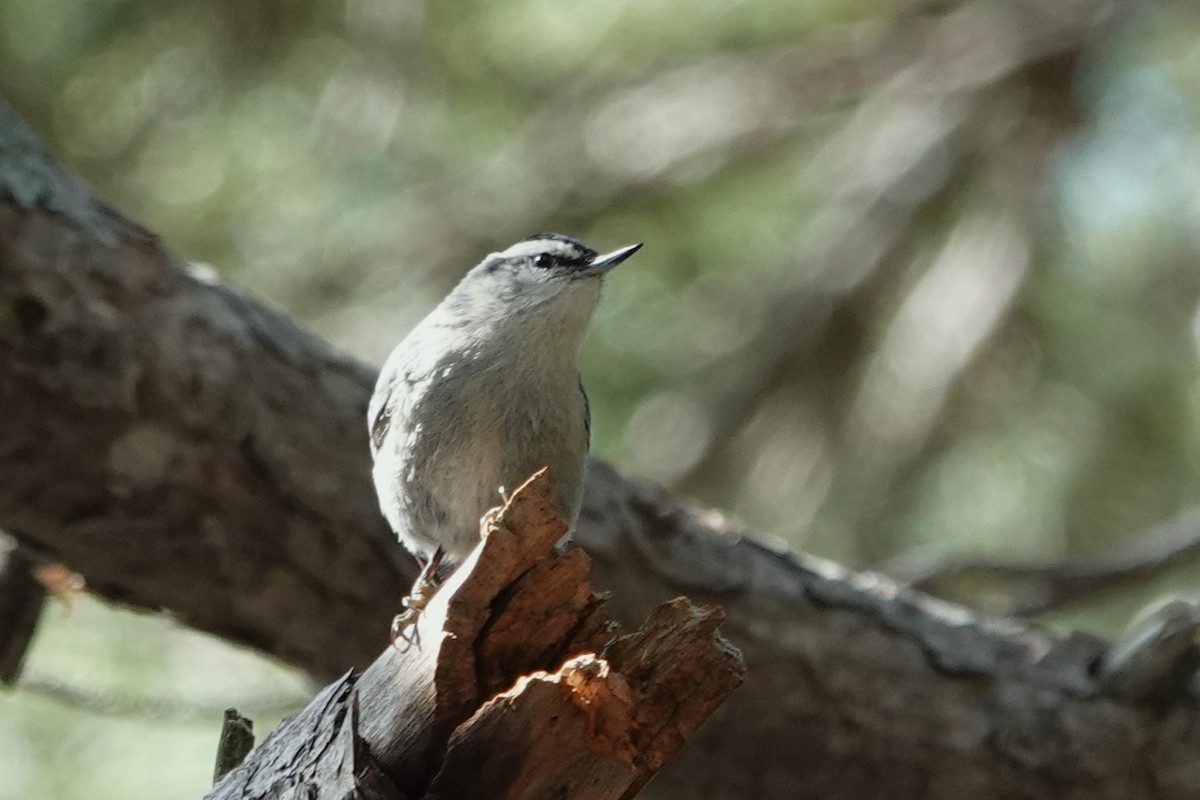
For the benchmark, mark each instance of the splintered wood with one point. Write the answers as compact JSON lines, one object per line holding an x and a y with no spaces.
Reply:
{"x":522,"y":686}
{"x":597,"y":727}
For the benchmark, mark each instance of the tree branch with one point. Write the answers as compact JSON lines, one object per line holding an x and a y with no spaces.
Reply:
{"x":1036,"y":588}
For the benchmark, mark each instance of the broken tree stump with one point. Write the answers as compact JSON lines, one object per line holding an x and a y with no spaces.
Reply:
{"x":521,"y":687}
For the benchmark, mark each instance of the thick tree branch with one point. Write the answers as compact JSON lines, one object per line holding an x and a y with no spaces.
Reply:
{"x":195,"y":450}
{"x":185,"y":448}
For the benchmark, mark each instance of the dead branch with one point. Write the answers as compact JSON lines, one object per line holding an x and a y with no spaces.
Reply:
{"x":236,"y":742}
{"x":522,"y":687}
{"x":1029,"y":589}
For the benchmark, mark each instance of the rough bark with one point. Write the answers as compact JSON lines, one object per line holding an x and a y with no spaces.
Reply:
{"x":197,"y":451}
{"x":521,"y":687}
{"x":186,"y":448}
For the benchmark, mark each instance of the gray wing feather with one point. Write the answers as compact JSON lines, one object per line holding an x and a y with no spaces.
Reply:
{"x":390,"y":390}
{"x":587,"y":413}
{"x":380,"y":416}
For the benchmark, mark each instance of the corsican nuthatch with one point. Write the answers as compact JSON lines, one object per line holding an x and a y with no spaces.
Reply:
{"x":484,"y":392}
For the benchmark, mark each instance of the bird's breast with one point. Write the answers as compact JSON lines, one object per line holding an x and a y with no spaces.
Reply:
{"x":473,"y":431}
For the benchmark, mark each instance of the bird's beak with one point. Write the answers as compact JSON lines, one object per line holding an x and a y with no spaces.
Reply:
{"x":603,"y":263}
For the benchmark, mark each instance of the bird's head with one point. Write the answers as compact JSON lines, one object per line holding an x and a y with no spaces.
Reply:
{"x":546,"y":265}
{"x":546,"y":278}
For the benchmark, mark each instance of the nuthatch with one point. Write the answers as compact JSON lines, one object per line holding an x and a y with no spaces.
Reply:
{"x":484,"y":392}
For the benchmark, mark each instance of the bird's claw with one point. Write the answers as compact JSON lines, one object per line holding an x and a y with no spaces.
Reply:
{"x":491,"y":517}
{"x":404,"y":624}
{"x":404,"y":629}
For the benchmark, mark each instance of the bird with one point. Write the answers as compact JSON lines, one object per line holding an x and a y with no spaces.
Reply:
{"x":481,"y":394}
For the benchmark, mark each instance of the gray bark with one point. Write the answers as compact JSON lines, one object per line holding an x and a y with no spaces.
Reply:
{"x":186,"y":448}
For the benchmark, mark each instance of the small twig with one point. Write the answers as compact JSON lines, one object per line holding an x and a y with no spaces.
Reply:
{"x":1038,"y":588}
{"x":236,"y":742}
{"x":21,"y":601}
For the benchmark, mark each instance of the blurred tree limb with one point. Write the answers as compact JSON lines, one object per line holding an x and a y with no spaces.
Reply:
{"x":186,"y":448}
{"x":106,"y":702}
{"x":1008,"y":587}
{"x":908,"y":143}
{"x":922,"y":70}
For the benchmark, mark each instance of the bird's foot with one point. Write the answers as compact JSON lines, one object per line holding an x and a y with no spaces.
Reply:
{"x":490,"y":517}
{"x":493,"y":514}
{"x":404,"y":624}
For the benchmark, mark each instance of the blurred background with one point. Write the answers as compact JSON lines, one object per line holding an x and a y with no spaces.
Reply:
{"x":919,"y":293}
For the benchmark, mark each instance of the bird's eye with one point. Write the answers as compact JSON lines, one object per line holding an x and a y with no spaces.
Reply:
{"x":542,"y":260}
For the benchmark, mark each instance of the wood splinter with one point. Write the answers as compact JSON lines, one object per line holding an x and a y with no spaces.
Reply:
{"x":523,"y":686}
{"x":237,"y":740}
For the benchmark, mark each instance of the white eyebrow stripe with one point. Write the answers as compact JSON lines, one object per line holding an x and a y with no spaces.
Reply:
{"x":551,"y":246}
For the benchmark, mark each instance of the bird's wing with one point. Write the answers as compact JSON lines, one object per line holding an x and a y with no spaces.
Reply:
{"x":379,"y":413}
{"x":390,"y":389}
{"x":587,"y":413}
{"x":402,"y":381}
{"x":380,"y":419}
